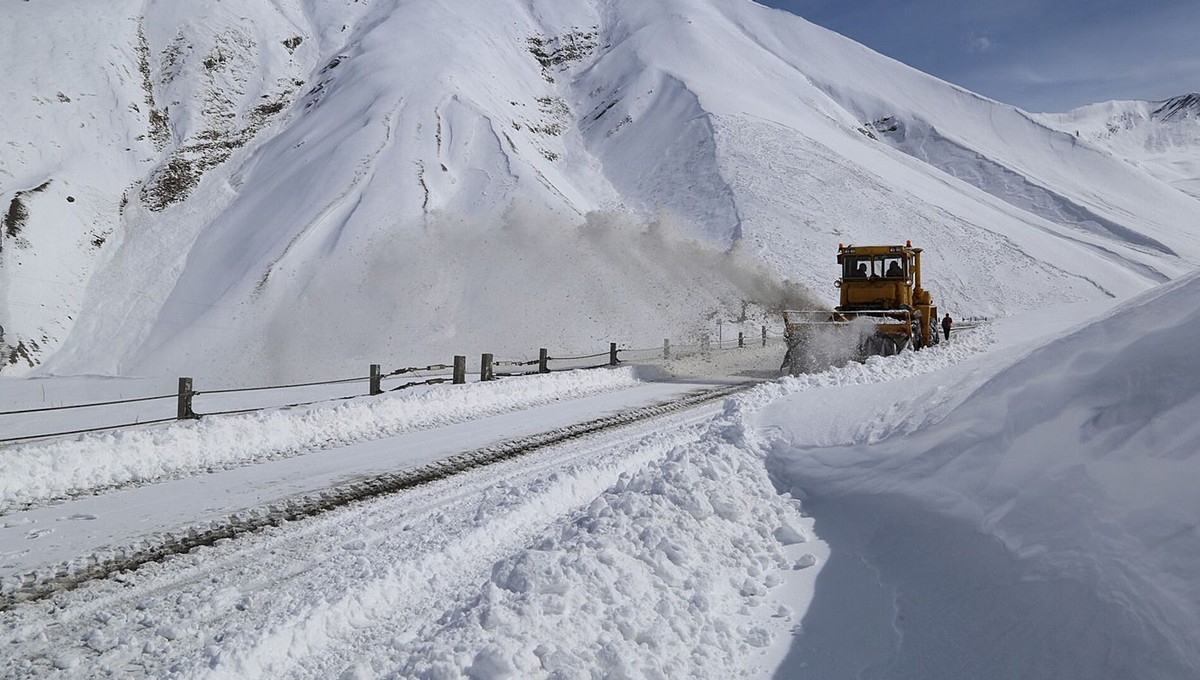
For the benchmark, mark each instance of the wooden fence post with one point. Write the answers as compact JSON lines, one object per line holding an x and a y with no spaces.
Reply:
{"x":543,"y":360}
{"x":764,"y":336}
{"x":183,"y":409}
{"x":741,"y":339}
{"x":666,"y":348}
{"x":612,"y":354}
{"x":485,"y":368}
{"x":376,"y":378}
{"x":460,"y":369}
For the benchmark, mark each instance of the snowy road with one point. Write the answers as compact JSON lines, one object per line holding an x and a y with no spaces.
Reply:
{"x":307,"y":597}
{"x":279,"y":599}
{"x":665,"y":533}
{"x":47,"y":536}
{"x":669,"y":547}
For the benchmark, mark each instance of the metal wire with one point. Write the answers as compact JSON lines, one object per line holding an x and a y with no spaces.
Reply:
{"x":414,"y":369}
{"x":266,"y":408}
{"x":84,"y":431}
{"x":231,"y":390}
{"x":516,"y":363}
{"x":644,"y":349}
{"x":657,"y":350}
{"x":43,"y":409}
{"x":417,"y":383}
{"x":589,"y":356}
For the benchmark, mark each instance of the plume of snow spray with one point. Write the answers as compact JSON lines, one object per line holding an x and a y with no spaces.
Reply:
{"x":534,"y":280}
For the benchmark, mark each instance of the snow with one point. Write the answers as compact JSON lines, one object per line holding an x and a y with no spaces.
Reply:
{"x":876,"y":517}
{"x":273,"y":187}
{"x":571,"y":535}
{"x":40,"y":471}
{"x":1055,"y":490}
{"x":253,"y":193}
{"x":1158,"y":136}
{"x":61,"y":531}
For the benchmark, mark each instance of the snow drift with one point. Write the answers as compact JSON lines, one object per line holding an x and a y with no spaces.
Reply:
{"x":1051,"y":509}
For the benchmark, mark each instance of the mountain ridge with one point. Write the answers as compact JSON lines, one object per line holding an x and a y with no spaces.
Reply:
{"x":318,"y":136}
{"x":1161,"y":137}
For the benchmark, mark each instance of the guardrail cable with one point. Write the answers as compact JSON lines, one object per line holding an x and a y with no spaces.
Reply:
{"x":269,"y":408}
{"x":231,"y":390}
{"x":42,"y":409}
{"x":10,"y":440}
{"x":417,"y":383}
{"x":587,"y":356}
{"x":414,"y":369}
{"x":531,"y":362}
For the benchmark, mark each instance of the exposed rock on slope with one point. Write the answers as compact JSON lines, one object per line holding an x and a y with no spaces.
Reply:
{"x":248,"y":175}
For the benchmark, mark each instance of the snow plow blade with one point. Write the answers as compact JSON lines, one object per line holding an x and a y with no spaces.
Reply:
{"x":819,"y":340}
{"x":883,"y":310}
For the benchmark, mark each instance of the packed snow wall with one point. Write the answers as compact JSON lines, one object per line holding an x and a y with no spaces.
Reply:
{"x":1041,"y":524}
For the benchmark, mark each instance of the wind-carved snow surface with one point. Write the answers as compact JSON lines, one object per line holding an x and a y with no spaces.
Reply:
{"x":1032,"y":519}
{"x":121,"y":112}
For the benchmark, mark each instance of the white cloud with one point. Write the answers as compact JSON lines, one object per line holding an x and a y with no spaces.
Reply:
{"x":980,"y":44}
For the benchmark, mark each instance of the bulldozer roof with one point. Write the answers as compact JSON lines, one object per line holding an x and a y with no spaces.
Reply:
{"x":877,"y":250}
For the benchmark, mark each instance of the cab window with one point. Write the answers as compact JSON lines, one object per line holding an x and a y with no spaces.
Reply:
{"x":890,"y":267}
{"x":856,"y":267}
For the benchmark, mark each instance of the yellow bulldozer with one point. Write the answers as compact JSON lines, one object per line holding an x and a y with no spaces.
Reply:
{"x":883,"y":309}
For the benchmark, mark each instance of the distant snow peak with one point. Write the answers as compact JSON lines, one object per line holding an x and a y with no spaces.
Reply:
{"x":1161,"y":138}
{"x":1186,"y":106}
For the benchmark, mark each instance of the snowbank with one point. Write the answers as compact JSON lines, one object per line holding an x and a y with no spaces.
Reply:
{"x":667,"y":573}
{"x":670,"y":572}
{"x":45,"y":470}
{"x":1055,"y":507}
{"x":658,"y":550}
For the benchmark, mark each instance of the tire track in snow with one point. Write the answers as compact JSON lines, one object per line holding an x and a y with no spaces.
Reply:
{"x":103,"y":563}
{"x":282,"y":599}
{"x":365,"y":615}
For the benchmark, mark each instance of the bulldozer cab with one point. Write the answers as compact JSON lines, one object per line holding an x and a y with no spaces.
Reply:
{"x":883,"y":309}
{"x":865,"y":267}
{"x":878,"y":277}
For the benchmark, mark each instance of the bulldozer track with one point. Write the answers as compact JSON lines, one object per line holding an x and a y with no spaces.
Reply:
{"x":108,"y":561}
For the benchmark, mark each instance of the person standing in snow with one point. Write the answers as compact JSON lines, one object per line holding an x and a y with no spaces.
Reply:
{"x":947,"y":322}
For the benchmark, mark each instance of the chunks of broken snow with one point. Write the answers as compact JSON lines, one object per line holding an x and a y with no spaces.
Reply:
{"x":666,"y":574}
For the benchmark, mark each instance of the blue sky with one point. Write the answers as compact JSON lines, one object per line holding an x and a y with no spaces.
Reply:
{"x":1041,"y":55}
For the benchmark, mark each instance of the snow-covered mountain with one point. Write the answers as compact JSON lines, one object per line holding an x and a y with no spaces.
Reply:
{"x":299,"y":186}
{"x":1163,"y":137}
